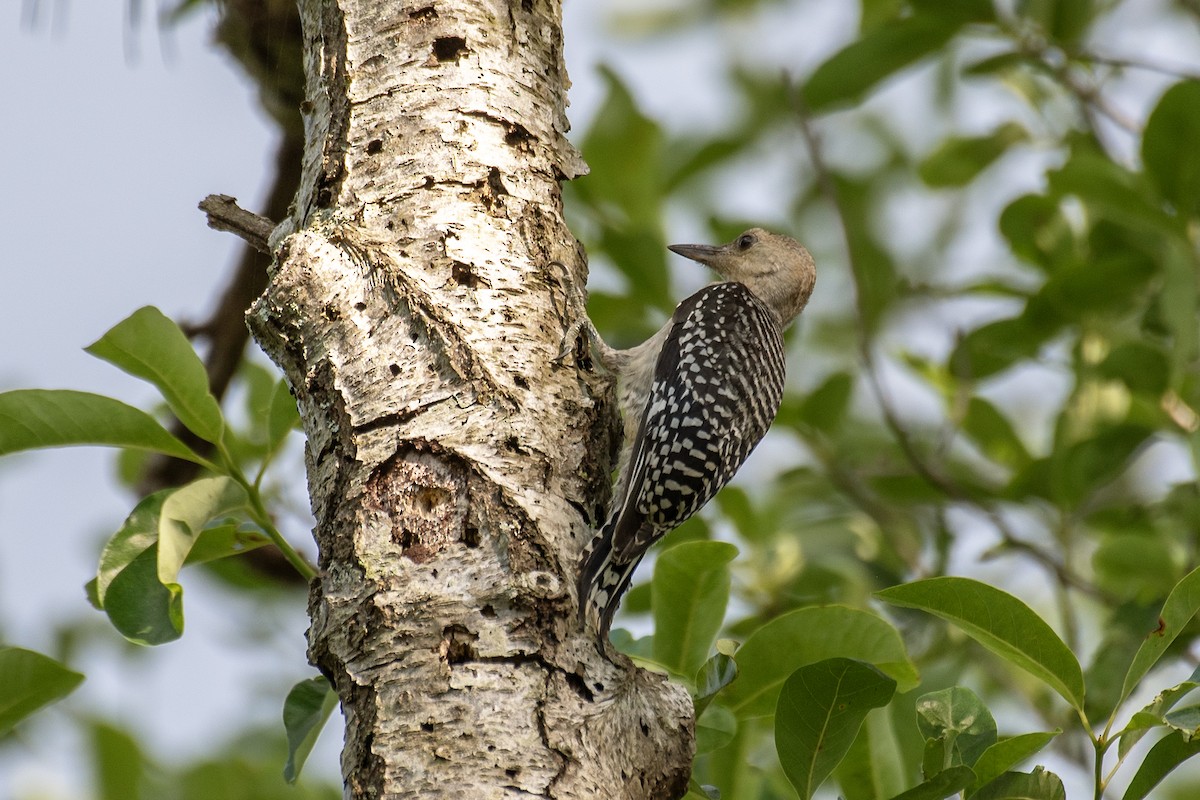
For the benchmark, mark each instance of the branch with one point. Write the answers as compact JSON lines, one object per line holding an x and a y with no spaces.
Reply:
{"x":927,"y":471}
{"x":224,"y":214}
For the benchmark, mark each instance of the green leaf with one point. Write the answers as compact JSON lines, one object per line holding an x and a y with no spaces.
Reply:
{"x":1007,"y":754}
{"x":806,"y":636}
{"x":222,"y":541}
{"x":150,"y":346}
{"x":957,"y":728}
{"x":1063,"y":21}
{"x":873,"y":769}
{"x":996,"y":346}
{"x":136,"y":535}
{"x":638,"y":649}
{"x":1186,"y":720}
{"x":715,"y":728}
{"x":717,"y":673}
{"x":305,"y":711}
{"x":1170,"y":751}
{"x":959,"y":159}
{"x":186,"y":512}
{"x":1108,"y":282}
{"x":821,"y":707}
{"x":117,"y":762}
{"x":1081,"y":468}
{"x":825,"y":408}
{"x":854,"y":70}
{"x":961,"y":11}
{"x":1111,"y":191}
{"x":689,"y":593}
{"x":140,"y":607}
{"x":1177,"y":304}
{"x":1140,"y":365}
{"x":1134,"y":565}
{"x":947,"y":782}
{"x":624,"y":191}
{"x":1038,"y":232}
{"x":1153,"y":713}
{"x":36,"y":418}
{"x":1181,"y":605}
{"x":1037,"y":785}
{"x":1172,"y":163}
{"x":1001,"y":623}
{"x":994,"y":434}
{"x":31,"y":681}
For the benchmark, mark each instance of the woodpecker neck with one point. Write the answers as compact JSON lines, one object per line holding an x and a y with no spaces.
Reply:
{"x":783,"y":302}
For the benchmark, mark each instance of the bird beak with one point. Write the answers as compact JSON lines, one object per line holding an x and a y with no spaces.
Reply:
{"x":702,"y":253}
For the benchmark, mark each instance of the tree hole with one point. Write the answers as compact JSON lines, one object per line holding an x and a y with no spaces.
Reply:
{"x":449,"y":48}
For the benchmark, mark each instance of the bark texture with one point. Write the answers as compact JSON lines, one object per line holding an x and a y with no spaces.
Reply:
{"x":455,"y":472}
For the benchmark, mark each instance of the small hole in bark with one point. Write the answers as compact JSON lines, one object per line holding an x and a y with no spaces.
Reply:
{"x":414,"y":336}
{"x":428,"y":182}
{"x":580,"y":687}
{"x":645,"y":728}
{"x":449,"y":48}
{"x":426,"y":13}
{"x":360,"y":306}
{"x":516,"y":135}
{"x":458,"y":644}
{"x":394,"y":369}
{"x":491,"y":748}
{"x":598,"y":686}
{"x":521,"y":382}
{"x":330,"y":312}
{"x":527,"y":5}
{"x":495,"y":183}
{"x":374,"y":146}
{"x":488,"y":612}
{"x":462,"y":275}
{"x":513,"y":444}
{"x":427,"y":727}
{"x":470,"y":536}
{"x":512,"y":772}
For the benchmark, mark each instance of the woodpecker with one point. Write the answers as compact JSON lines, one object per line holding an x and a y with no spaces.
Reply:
{"x":695,"y":398}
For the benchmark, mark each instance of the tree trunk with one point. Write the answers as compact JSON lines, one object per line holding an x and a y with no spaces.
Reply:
{"x":455,"y":472}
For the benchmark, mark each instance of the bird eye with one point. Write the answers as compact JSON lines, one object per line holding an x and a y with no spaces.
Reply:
{"x":744,"y":241}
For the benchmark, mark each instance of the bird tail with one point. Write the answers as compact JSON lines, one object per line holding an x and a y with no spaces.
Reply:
{"x":603,"y":578}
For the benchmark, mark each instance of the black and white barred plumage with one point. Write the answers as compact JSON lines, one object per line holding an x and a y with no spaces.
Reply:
{"x":718,"y":382}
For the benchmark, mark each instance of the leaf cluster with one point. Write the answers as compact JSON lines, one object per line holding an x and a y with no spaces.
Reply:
{"x":956,"y":408}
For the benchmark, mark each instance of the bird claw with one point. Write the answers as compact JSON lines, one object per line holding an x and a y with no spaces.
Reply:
{"x":570,"y":343}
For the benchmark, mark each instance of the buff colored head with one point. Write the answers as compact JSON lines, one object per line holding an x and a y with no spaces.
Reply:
{"x":776,"y":268}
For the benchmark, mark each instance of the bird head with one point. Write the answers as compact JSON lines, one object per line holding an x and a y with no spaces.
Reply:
{"x":777,"y":269}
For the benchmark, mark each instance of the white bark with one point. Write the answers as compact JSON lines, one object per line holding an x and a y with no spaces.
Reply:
{"x":455,"y":473}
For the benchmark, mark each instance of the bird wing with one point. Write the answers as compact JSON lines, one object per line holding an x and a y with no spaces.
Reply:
{"x":718,"y":383}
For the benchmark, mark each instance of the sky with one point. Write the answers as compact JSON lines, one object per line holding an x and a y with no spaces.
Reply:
{"x":112,"y":134}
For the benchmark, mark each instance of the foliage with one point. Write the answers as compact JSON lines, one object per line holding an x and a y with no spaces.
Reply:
{"x":214,"y":517}
{"x":1018,"y":439}
{"x":824,"y":637}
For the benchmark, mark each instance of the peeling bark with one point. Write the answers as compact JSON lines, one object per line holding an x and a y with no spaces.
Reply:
{"x":455,"y":472}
